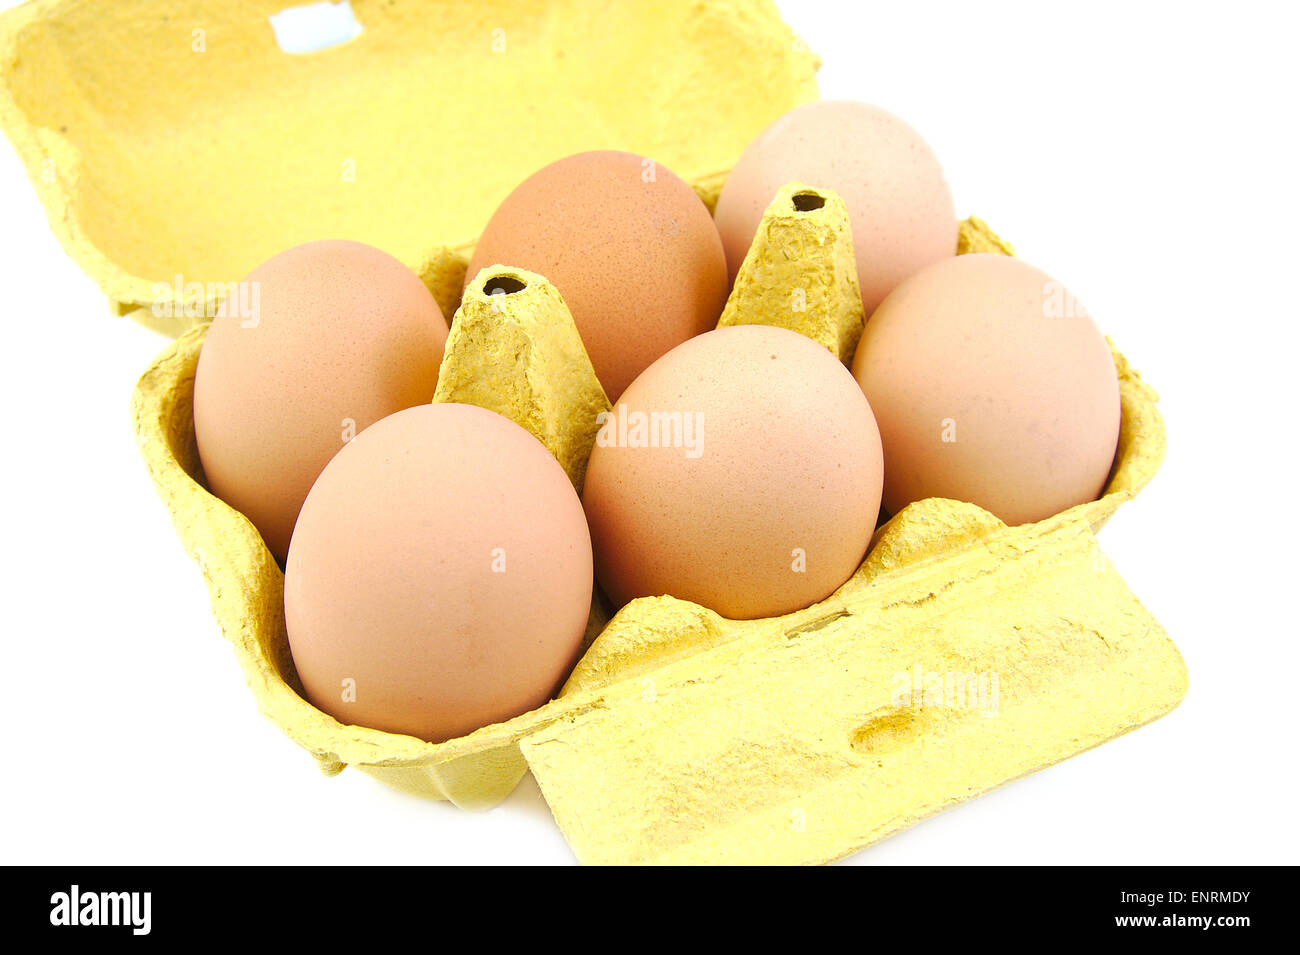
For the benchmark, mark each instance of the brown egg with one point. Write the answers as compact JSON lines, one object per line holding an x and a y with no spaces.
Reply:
{"x":742,"y":471}
{"x":329,"y":337}
{"x":900,"y":207}
{"x":440,"y":577}
{"x":991,"y":385}
{"x":631,"y":248}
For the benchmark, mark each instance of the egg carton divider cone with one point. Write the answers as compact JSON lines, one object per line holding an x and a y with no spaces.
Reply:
{"x":682,"y":736}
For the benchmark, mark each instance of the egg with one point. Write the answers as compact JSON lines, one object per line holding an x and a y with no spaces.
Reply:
{"x":329,"y":337}
{"x":741,"y":471}
{"x":900,"y":207}
{"x":631,"y":248}
{"x":440,"y":576}
{"x":991,"y":385}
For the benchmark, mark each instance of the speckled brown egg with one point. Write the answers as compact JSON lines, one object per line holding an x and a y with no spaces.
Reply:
{"x":991,"y":385}
{"x":742,"y":471}
{"x":630,"y":247}
{"x":900,"y":207}
{"x":328,"y":338}
{"x":440,"y":576}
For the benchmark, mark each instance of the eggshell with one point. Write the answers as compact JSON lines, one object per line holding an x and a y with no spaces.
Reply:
{"x":991,"y":385}
{"x":440,"y":576}
{"x":629,"y":245}
{"x":769,"y":500}
{"x":344,"y":334}
{"x":900,"y":207}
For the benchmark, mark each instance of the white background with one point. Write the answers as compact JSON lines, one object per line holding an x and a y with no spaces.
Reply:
{"x":1144,"y":154}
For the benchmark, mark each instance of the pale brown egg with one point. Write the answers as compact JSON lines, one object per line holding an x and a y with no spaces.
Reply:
{"x":326,"y":339}
{"x":741,"y":471}
{"x":440,"y":576}
{"x":631,"y":248}
{"x":991,"y":385}
{"x":900,"y":207}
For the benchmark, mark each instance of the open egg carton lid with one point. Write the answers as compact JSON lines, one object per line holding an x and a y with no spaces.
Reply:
{"x":177,"y":144}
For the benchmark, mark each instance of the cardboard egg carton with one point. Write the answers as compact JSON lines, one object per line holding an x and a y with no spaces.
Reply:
{"x":682,"y":736}
{"x":962,"y":654}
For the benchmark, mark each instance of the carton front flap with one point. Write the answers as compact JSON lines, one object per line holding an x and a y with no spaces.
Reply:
{"x":936,"y":682}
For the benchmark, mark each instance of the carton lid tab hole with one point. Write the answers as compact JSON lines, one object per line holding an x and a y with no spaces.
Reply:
{"x":314,"y":26}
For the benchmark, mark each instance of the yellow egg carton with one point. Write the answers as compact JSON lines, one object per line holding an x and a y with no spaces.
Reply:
{"x":961,"y":655}
{"x":685,"y":737}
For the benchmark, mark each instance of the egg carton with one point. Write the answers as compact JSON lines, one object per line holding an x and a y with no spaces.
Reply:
{"x":682,"y":736}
